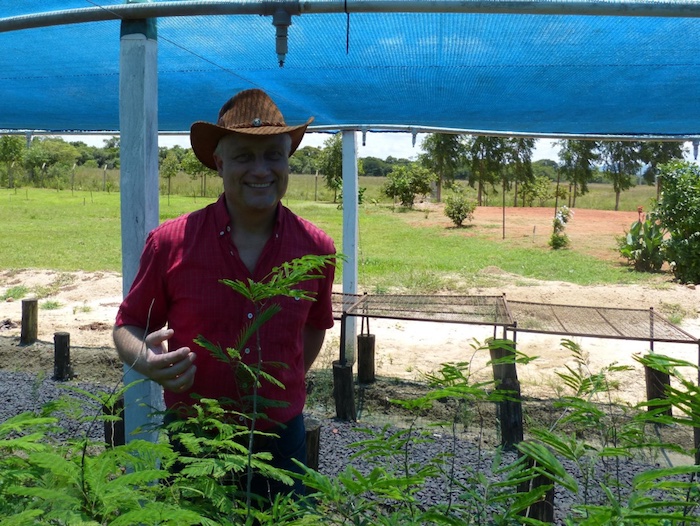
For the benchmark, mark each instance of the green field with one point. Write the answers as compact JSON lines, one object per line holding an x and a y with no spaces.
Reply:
{"x":80,"y":230}
{"x":312,"y":188}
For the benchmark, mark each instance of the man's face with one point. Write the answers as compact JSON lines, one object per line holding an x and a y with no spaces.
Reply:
{"x":254,"y":169}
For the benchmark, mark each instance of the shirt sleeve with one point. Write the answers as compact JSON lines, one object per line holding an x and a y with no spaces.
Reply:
{"x":321,"y":312}
{"x":146,"y":303}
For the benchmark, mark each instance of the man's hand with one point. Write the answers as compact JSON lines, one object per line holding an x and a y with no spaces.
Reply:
{"x":173,"y":370}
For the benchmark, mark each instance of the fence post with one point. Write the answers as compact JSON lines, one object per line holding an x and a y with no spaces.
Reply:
{"x":508,"y":411}
{"x":30,"y":321}
{"x":657,"y":382}
{"x":542,"y":510}
{"x":313,"y":442}
{"x":62,"y":369}
{"x":344,"y":391}
{"x":365,"y":358}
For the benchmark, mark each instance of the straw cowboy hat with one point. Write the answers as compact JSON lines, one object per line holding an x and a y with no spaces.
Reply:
{"x":250,"y":112}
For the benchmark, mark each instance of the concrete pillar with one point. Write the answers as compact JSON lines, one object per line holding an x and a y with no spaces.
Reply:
{"x":138,"y":116}
{"x":350,"y":234}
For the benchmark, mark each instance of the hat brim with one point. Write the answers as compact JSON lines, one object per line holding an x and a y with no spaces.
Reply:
{"x":205,"y":136}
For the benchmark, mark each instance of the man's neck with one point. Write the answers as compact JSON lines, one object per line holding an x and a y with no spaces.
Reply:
{"x":257,"y":223}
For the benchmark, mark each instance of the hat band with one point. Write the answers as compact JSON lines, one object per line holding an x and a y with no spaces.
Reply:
{"x":254,"y":124}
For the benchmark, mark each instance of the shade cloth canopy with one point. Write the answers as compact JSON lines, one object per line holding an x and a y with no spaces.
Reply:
{"x":518,"y":71}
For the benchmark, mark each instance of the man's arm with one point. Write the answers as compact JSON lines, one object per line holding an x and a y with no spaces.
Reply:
{"x":173,"y":370}
{"x":313,"y":341}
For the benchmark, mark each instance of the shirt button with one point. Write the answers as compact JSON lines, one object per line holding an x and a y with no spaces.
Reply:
{"x":241,"y":418}
{"x":247,"y":351}
{"x":231,"y":252}
{"x":228,"y":229}
{"x":221,"y":233}
{"x":250,"y":315}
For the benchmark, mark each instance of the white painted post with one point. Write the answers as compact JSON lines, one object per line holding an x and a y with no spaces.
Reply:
{"x":350,"y":234}
{"x":138,"y":115}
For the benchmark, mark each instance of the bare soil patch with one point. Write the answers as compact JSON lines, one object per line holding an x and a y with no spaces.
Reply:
{"x":590,"y":231}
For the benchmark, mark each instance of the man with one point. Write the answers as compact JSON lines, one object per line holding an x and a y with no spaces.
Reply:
{"x":177,"y":296}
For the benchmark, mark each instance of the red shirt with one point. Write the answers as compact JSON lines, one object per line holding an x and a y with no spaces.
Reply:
{"x":178,"y":284}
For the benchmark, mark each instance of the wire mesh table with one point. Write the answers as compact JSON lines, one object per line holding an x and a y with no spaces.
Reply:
{"x":472,"y":310}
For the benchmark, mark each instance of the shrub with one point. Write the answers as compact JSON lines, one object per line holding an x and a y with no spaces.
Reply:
{"x":538,"y":190}
{"x":559,"y":239}
{"x":459,"y":207}
{"x":678,"y":211}
{"x":407,"y":182}
{"x":643,"y":245}
{"x":360,"y":197}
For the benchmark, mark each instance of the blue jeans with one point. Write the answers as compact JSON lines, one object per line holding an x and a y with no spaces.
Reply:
{"x":291,"y":444}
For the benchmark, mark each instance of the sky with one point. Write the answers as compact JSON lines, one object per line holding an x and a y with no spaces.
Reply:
{"x":381,"y":145}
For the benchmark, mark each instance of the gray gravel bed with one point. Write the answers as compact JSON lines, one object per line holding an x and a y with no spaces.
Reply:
{"x":466,"y":461}
{"x":20,"y":392}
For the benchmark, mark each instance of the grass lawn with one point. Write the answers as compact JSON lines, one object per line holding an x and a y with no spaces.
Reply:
{"x":80,"y":230}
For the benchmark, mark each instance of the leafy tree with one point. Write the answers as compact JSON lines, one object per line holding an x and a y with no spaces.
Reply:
{"x":85,"y":153}
{"x":406,"y":183}
{"x":49,"y":157}
{"x":11,"y":153}
{"x":545,"y":167}
{"x":538,"y":190}
{"x":193,"y":167}
{"x":622,"y":162}
{"x":519,"y":156}
{"x":305,"y":160}
{"x":655,"y":153}
{"x":678,"y":211}
{"x":113,"y":143}
{"x":179,"y":152}
{"x":444,"y":155}
{"x":108,"y":155}
{"x":331,"y":164}
{"x":577,"y":165}
{"x":375,"y":167}
{"x":394,"y":161}
{"x":485,"y":158}
{"x":169,"y":168}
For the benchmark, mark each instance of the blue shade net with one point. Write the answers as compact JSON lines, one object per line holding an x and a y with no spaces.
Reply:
{"x":494,"y":73}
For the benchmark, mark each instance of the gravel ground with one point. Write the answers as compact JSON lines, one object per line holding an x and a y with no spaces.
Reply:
{"x":20,"y":392}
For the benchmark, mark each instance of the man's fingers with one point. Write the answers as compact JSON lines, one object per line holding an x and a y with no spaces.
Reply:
{"x":173,"y":364}
{"x":182,"y":382}
{"x":156,"y":338}
{"x":174,"y":357}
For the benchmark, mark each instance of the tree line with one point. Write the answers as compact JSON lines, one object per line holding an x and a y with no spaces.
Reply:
{"x":489,"y":165}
